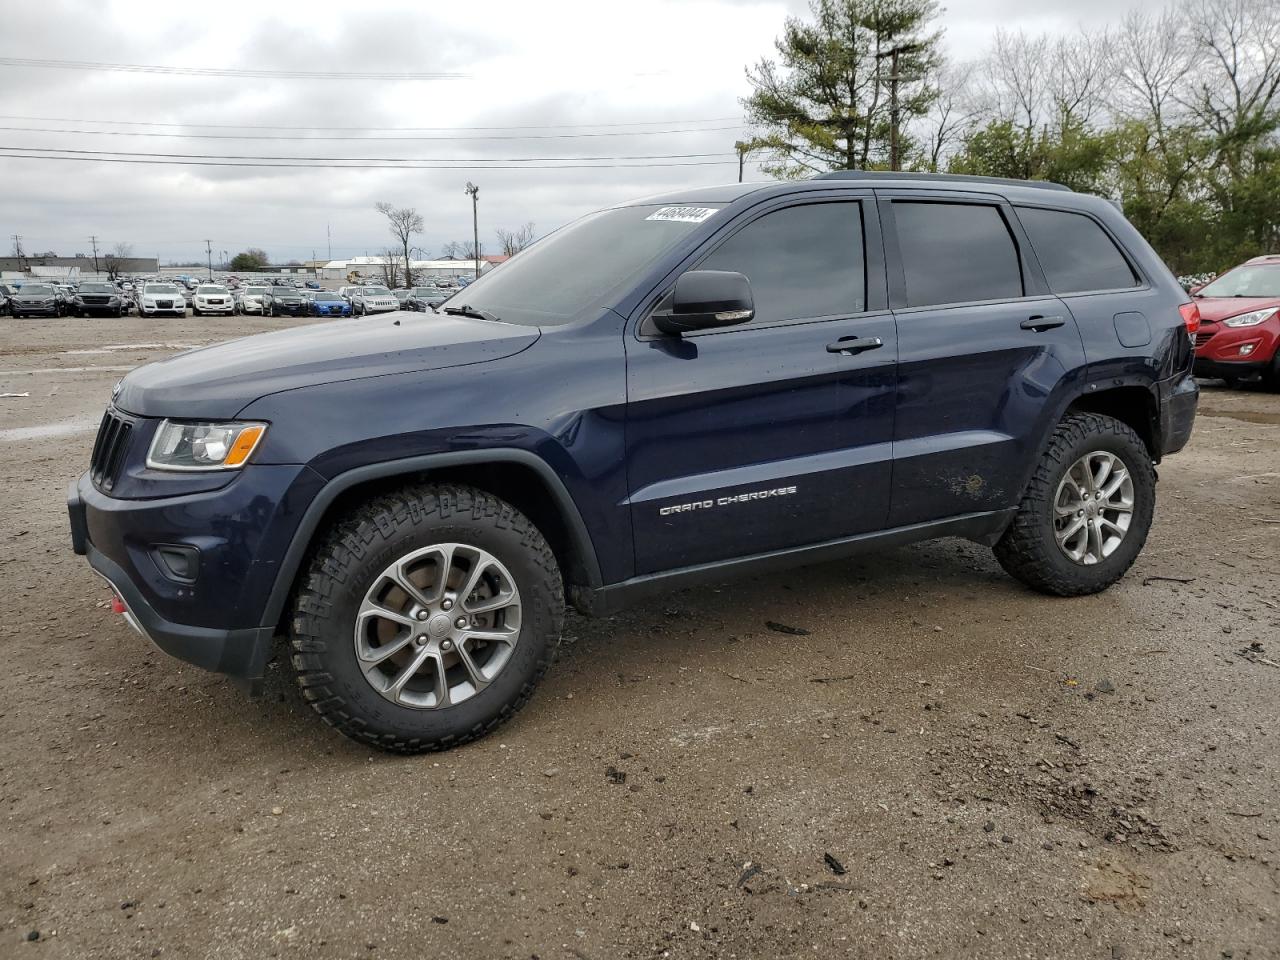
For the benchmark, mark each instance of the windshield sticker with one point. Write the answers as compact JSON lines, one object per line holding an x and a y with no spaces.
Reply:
{"x":683,"y":214}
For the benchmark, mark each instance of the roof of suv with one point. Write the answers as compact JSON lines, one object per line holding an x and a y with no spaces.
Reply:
{"x":729,"y":192}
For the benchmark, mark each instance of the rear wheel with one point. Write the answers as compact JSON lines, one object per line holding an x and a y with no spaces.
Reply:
{"x":1086,"y":513}
{"x":426,"y":618}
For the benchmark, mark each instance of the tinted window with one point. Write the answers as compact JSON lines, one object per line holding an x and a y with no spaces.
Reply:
{"x":801,"y":261}
{"x":956,"y":253}
{"x":1075,"y":253}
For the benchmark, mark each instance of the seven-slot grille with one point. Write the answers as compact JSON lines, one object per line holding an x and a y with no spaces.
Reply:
{"x":109,"y":450}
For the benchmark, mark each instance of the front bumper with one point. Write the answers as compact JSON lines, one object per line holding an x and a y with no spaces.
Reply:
{"x":216,"y":307}
{"x":27,"y":310}
{"x":214,"y":619}
{"x":289,"y":309}
{"x":1228,"y":369}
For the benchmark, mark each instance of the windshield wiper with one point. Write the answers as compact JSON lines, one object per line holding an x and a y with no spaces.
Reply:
{"x":474,"y":314}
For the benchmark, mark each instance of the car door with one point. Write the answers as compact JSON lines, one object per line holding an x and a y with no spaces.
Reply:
{"x":983,"y":352}
{"x":776,"y":433}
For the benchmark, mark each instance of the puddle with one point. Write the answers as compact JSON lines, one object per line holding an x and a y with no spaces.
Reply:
{"x":1245,"y":416}
{"x":49,"y":430}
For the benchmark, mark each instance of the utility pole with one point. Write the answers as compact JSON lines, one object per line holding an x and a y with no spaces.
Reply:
{"x":208,"y":247}
{"x":895,"y":159}
{"x":475,"y":221}
{"x":329,"y":240}
{"x":94,"y":241}
{"x":743,"y":147}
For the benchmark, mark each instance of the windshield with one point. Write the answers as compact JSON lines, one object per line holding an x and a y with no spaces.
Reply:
{"x":38,"y":288}
{"x":377,"y":292}
{"x":209,"y":288}
{"x":328,"y":297}
{"x":1258,"y":280}
{"x":97,"y":288}
{"x":159,"y":288}
{"x":563,"y":274}
{"x":255,"y":290}
{"x":283,"y":292}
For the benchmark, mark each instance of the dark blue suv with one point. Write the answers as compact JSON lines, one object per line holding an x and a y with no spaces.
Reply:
{"x":674,"y":390}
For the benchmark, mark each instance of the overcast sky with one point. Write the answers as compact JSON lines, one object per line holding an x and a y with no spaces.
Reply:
{"x":536,"y":76}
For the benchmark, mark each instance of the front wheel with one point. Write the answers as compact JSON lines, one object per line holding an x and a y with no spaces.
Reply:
{"x":1271,"y":376}
{"x":1085,"y":515}
{"x":426,"y":618}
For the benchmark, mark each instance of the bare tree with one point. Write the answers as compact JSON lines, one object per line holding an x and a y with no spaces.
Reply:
{"x":1153,"y":57}
{"x":404,"y":223}
{"x":1237,"y":86}
{"x":957,"y":110}
{"x":391,"y":268}
{"x":115,"y":259}
{"x":1079,"y":76}
{"x":513,"y":241}
{"x":460,"y":250}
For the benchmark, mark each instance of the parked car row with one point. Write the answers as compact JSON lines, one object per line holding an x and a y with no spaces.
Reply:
{"x":151,"y":297}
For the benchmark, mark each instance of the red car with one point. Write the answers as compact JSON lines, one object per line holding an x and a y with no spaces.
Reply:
{"x":1239,"y":333}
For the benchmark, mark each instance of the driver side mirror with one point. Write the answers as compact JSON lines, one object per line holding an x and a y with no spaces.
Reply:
{"x":704,"y":299}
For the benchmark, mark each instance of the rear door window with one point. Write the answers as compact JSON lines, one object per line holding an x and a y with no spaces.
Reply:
{"x":1076,"y":254}
{"x":956,"y":253}
{"x":803,"y":262}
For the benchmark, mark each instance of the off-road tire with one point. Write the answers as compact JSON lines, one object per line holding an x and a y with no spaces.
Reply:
{"x":355,"y":550}
{"x":1028,"y":550}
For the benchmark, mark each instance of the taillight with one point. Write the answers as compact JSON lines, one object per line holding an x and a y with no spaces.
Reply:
{"x":1190,"y":316}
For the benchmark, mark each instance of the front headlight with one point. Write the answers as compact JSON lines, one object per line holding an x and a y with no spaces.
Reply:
{"x":204,"y":446}
{"x":1250,"y":319}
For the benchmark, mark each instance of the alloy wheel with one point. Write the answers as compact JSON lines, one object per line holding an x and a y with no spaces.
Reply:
{"x":438,"y":626}
{"x":1093,"y":507}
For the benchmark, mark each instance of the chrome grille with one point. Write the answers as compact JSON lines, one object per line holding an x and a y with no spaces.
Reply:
{"x":109,"y":450}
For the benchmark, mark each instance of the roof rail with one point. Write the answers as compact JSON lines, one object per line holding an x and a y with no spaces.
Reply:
{"x":941,"y":177}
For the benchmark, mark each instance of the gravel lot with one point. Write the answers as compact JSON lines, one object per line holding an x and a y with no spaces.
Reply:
{"x":907,"y":755}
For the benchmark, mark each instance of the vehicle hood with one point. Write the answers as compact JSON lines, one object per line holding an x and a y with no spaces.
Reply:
{"x":1213,"y":309}
{"x":221,"y":380}
{"x":22,"y":297}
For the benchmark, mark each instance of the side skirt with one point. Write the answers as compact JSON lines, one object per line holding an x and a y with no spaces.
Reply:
{"x":984,"y":528}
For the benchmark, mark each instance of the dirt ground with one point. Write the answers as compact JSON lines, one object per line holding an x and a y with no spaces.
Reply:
{"x":906,"y":755}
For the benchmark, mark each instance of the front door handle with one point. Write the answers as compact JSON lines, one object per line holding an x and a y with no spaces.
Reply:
{"x":851,"y":345}
{"x":1039,"y":324}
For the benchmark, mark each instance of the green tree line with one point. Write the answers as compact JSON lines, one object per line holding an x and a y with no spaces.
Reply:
{"x":1173,"y":113}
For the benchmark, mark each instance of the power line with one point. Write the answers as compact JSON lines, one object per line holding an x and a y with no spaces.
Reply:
{"x":359,"y":166}
{"x":225,"y":136}
{"x":223,"y":71}
{"x":347,"y":160}
{"x":274,"y":126}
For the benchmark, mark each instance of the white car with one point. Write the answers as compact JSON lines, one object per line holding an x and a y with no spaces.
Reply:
{"x":158,"y":298}
{"x":212,"y":298}
{"x":251,"y":299}
{"x":372,"y":300}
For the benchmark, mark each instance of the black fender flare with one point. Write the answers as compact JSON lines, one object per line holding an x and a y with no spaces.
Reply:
{"x":336,"y":486}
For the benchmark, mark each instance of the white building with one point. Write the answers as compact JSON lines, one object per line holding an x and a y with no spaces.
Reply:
{"x":371,"y":268}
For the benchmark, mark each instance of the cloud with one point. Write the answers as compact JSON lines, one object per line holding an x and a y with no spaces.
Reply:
{"x":547,"y":64}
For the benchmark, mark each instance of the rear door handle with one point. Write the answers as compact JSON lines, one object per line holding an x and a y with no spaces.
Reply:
{"x":851,"y":345}
{"x":1039,"y":324}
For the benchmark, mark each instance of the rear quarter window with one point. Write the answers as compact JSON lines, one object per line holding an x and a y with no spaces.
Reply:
{"x":1076,"y":254}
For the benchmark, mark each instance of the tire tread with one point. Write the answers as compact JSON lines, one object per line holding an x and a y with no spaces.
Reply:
{"x":351,"y":538}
